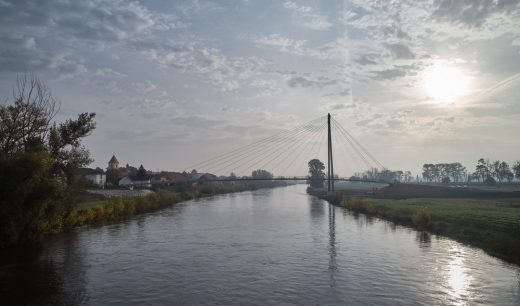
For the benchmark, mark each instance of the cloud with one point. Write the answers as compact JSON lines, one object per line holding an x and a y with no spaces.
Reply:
{"x":389,"y":74}
{"x":108,"y":73}
{"x":198,"y":122}
{"x":227,"y":74}
{"x":472,"y":13}
{"x":91,"y":19}
{"x":366,"y":59}
{"x":22,"y":54}
{"x":344,"y":92}
{"x":48,"y":35}
{"x":400,"y":51}
{"x":341,"y":106}
{"x":304,"y":82}
{"x":306,"y":17}
{"x":19,"y":54}
{"x":106,"y":20}
{"x":281,"y":42}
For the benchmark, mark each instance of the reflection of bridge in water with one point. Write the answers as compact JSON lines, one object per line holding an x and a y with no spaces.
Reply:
{"x":287,"y":154}
{"x":333,"y":267}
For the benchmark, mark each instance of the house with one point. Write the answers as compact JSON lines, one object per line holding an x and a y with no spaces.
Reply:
{"x":128,"y":182}
{"x":198,"y":178}
{"x":128,"y":171}
{"x":168,"y":178}
{"x":95,"y":177}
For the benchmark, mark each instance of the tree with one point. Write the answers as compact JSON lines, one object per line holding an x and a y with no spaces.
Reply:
{"x":37,"y":160}
{"x":482,"y":169}
{"x":407,"y":176}
{"x":429,"y":172}
{"x":26,"y":123}
{"x":516,"y":169}
{"x":261,"y":174}
{"x":141,"y":173}
{"x":501,"y":171}
{"x":398,"y":174}
{"x":317,"y":176}
{"x":113,"y":176}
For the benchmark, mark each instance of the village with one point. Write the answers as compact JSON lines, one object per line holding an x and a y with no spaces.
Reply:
{"x":129,"y":178}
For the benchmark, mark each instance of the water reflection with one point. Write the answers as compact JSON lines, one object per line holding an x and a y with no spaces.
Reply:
{"x":423,"y":238}
{"x":317,"y":207}
{"x":33,"y":276}
{"x":458,"y":278}
{"x":332,"y":245}
{"x":277,"y":248}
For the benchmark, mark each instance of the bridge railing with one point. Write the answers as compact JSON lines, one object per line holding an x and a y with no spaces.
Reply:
{"x":294,"y":178}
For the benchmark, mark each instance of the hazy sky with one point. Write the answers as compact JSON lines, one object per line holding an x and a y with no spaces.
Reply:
{"x":176,"y":82}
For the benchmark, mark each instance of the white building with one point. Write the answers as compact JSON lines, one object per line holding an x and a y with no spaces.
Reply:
{"x":127,"y":182}
{"x":96,"y":177}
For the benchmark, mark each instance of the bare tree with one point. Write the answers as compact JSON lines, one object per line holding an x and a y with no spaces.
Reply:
{"x":27,"y":121}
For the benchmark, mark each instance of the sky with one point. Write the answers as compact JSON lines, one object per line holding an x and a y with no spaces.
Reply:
{"x":177,"y":82}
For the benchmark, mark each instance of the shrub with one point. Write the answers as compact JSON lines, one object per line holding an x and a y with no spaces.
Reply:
{"x":421,"y":219}
{"x":130,"y":207}
{"x":98,"y":213}
{"x":369,"y":208}
{"x":72,"y":219}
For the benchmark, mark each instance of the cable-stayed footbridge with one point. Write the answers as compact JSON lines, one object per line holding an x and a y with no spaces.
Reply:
{"x":287,"y":154}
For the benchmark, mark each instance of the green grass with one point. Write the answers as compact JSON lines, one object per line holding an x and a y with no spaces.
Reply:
{"x":502,"y":215}
{"x":91,"y":204}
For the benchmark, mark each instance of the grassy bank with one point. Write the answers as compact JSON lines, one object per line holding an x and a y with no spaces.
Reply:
{"x":119,"y":208}
{"x":91,"y":211}
{"x":490,"y":224}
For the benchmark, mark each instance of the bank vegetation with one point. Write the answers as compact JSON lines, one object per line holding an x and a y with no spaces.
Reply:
{"x":490,"y":224}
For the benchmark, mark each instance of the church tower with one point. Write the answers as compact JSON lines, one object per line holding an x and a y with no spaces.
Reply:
{"x":113,"y":163}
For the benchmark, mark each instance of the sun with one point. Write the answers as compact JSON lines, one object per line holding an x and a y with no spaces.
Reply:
{"x":445,"y":84}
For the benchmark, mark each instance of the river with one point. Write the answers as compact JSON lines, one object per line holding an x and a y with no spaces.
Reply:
{"x":274,"y":246}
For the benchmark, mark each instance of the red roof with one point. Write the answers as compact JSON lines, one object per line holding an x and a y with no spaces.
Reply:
{"x":171,"y":176}
{"x":176,"y":177}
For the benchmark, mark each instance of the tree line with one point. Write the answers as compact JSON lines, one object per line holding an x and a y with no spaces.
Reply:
{"x":444,"y":172}
{"x":384,"y":175}
{"x":38,"y":160}
{"x":486,"y":171}
{"x":490,"y":172}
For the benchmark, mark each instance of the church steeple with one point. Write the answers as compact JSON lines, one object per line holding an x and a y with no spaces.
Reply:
{"x":113,"y":163}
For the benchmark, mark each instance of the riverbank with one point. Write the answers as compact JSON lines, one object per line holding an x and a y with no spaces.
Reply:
{"x":120,"y":207}
{"x":490,"y":224}
{"x":273,"y":246}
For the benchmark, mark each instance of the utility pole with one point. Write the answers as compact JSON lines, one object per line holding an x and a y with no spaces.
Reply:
{"x":330,"y":164}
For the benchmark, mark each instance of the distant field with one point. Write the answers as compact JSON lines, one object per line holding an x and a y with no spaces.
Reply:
{"x":423,"y":191}
{"x":497,"y":187}
{"x":505,"y":188}
{"x":357,"y":186}
{"x":91,"y":204}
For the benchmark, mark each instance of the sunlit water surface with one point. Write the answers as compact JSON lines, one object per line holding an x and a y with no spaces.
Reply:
{"x":277,"y":246}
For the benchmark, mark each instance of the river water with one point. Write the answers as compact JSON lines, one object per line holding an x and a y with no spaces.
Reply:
{"x":274,"y":246}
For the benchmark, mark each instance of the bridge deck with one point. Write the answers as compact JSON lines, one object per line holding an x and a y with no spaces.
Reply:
{"x":295,"y":178}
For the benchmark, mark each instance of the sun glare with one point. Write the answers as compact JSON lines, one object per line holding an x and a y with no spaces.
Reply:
{"x":445,"y":84}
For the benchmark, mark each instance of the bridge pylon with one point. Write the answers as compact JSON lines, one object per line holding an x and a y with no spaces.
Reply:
{"x":330,"y":163}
